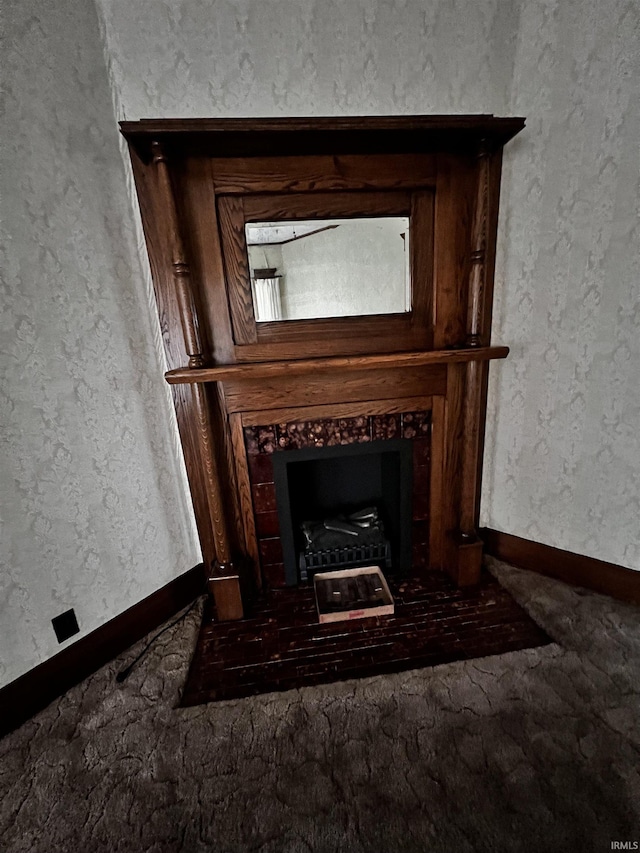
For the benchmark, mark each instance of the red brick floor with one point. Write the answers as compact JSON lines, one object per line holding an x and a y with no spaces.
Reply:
{"x":281,"y":644}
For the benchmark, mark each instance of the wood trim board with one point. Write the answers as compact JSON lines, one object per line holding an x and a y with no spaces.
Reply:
{"x":576,"y":569}
{"x":269,"y":370}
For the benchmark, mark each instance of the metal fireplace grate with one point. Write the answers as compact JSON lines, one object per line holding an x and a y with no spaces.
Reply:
{"x":330,"y":559}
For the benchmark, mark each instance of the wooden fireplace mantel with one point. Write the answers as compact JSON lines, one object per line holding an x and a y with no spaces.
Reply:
{"x":198,"y":182}
{"x":270,"y":369}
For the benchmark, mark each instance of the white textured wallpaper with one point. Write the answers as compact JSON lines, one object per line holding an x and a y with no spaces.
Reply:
{"x":94,"y":513}
{"x":563,"y":467}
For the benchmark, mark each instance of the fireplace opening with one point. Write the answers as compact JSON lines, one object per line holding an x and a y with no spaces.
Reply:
{"x":344,"y":506}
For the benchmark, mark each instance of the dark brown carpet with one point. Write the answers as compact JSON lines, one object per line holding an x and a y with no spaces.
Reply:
{"x":534,"y":751}
{"x":282,"y":645}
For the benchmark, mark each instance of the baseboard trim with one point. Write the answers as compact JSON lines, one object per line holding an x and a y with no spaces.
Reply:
{"x":607,"y":578}
{"x":36,"y":689}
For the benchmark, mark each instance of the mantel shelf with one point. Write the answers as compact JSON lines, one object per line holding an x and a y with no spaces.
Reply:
{"x":274,"y":369}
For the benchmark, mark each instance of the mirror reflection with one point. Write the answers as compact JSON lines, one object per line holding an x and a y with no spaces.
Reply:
{"x":307,"y":269}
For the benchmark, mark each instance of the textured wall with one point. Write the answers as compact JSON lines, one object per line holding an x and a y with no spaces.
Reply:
{"x":310,"y":57}
{"x":564,"y":467}
{"x":93,"y":514}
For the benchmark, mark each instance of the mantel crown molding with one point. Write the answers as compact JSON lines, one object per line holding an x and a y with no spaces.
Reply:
{"x":236,"y":137}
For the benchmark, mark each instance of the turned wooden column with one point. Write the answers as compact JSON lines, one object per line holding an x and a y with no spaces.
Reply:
{"x":469,"y":543}
{"x":224,"y":582}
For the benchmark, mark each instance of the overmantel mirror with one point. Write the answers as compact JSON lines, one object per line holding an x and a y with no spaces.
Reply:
{"x":336,"y":269}
{"x":308,"y":269}
{"x":323,"y":283}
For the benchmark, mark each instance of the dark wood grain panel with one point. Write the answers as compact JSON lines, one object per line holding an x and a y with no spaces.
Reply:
{"x":258,"y":208}
{"x":337,"y":410}
{"x":482,"y":123}
{"x":223,"y":441}
{"x":470,"y":444}
{"x":244,"y":495}
{"x":157,"y":242}
{"x":232,"y":218}
{"x":484,"y":388}
{"x":187,"y":427}
{"x":316,"y":174}
{"x":436,"y":512}
{"x":452,"y":465}
{"x":227,"y":597}
{"x":478,"y":250}
{"x":209,"y":450}
{"x":198,"y":211}
{"x":421,"y":239}
{"x":391,"y":333}
{"x":452,"y":256}
{"x":577,"y":569}
{"x":269,"y":370}
{"x":493,"y":203}
{"x":180,"y":269}
{"x":324,"y":388}
{"x":368,"y":135}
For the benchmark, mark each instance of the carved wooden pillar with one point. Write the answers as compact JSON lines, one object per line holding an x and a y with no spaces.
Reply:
{"x":224,"y":582}
{"x":469,"y":543}
{"x":477,"y":278}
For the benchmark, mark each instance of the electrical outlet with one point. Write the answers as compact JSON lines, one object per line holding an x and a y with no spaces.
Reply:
{"x":65,"y":625}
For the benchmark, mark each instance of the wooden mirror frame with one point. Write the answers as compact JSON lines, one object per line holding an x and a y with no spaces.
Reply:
{"x":333,"y":335}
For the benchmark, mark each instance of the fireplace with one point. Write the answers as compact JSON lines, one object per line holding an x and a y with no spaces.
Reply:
{"x":344,"y":506}
{"x":309,"y":470}
{"x":384,"y":337}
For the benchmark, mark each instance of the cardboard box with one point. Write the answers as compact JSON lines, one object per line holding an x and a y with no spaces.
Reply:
{"x":352,"y":594}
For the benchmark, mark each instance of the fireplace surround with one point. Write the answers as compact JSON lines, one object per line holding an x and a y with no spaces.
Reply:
{"x":322,"y":493}
{"x":247,"y":389}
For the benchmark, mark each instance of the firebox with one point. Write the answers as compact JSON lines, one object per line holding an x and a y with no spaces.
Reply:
{"x":343,"y":506}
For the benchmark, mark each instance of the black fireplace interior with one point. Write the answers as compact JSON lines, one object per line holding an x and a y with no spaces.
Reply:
{"x":314,"y":484}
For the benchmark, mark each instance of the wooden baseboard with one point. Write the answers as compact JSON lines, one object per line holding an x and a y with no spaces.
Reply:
{"x":34,"y":690}
{"x":607,"y":578}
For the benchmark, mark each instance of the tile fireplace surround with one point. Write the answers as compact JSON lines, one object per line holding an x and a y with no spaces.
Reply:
{"x":246,"y":391}
{"x":261,"y":442}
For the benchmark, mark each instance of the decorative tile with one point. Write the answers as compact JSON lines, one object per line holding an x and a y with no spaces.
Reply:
{"x":419,"y":556}
{"x":350,"y":431}
{"x":274,"y":576}
{"x":323,"y":433}
{"x":251,"y":440}
{"x":415,"y":424}
{"x":260,"y":468}
{"x":260,"y":439}
{"x":270,"y":551}
{"x":267,"y":524}
{"x":264,"y":497}
{"x":385,"y":427}
{"x":421,"y":451}
{"x":328,"y":432}
{"x":420,"y":532}
{"x":295,"y":436}
{"x":420,"y":494}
